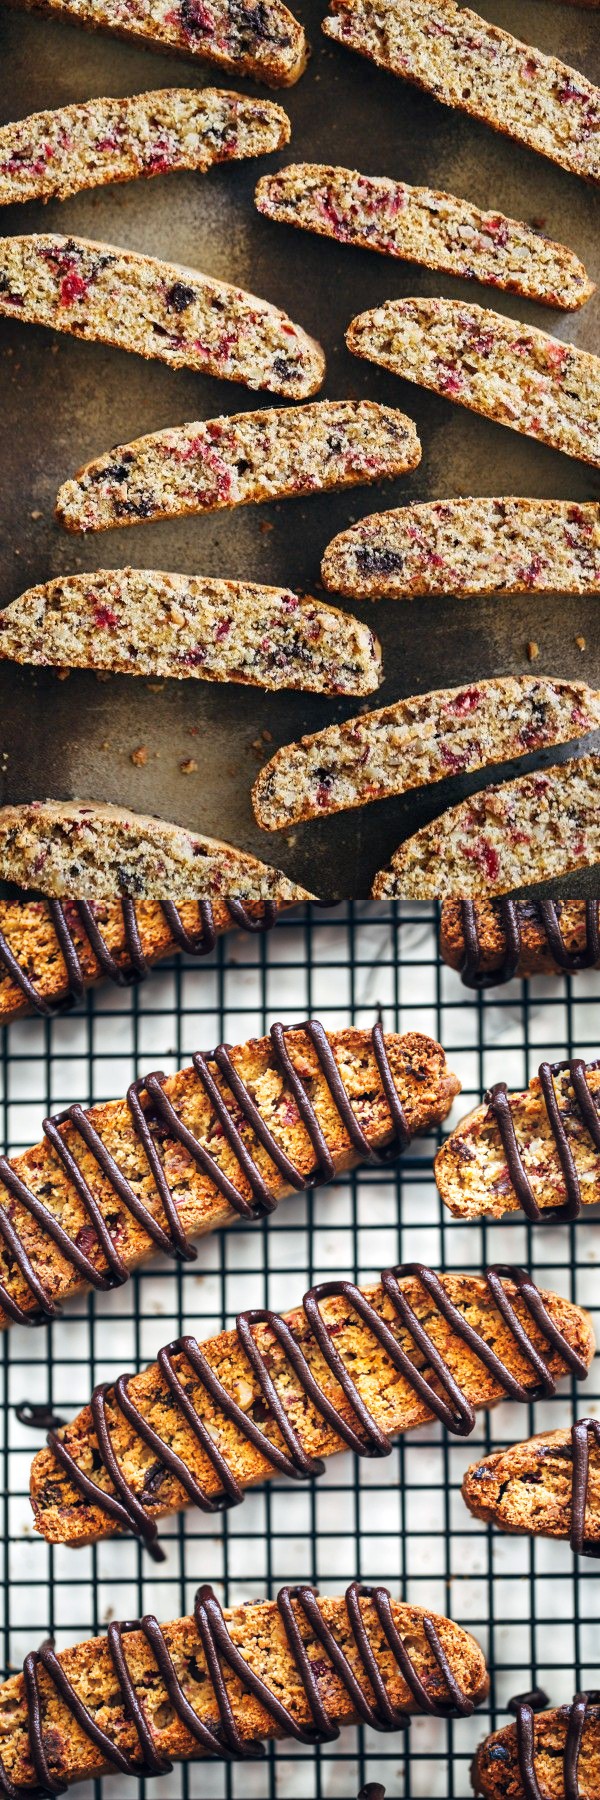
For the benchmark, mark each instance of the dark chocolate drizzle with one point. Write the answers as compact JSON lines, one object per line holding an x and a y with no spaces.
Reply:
{"x":497,"y":1098}
{"x":225,"y":1739}
{"x":510,"y":914}
{"x":577,"y":1713}
{"x":199,"y":943}
{"x":581,"y":1434}
{"x":363,"y":1435}
{"x":161,"y":1117}
{"x":39,"y":1418}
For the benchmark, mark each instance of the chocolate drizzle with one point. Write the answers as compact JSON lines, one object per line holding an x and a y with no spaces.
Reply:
{"x":497,"y":1098}
{"x":366,"y":1690}
{"x":199,"y":943}
{"x":510,"y":914}
{"x":160,"y":1117}
{"x":577,"y":1714}
{"x":127,"y":1509}
{"x":581,"y":1434}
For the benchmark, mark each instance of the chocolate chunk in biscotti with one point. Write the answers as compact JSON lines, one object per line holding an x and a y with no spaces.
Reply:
{"x":555,"y":1753}
{"x":157,"y":309}
{"x":51,"y":155}
{"x":417,"y":741}
{"x":219,"y":1683}
{"x":508,"y":372}
{"x":145,"y":622}
{"x":548,"y":1486}
{"x":469,"y":63}
{"x":490,"y":941}
{"x":538,"y":1150}
{"x":459,"y":547}
{"x":207,"y":1422}
{"x":183,"y":1154}
{"x":422,"y":225}
{"x":264,"y":41}
{"x":238,"y":461}
{"x":530,"y":830}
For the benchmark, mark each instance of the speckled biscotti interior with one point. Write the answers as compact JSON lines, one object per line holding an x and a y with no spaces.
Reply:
{"x":510,"y":1152}
{"x":269,"y":46}
{"x":468,"y":547}
{"x":528,"y":1487}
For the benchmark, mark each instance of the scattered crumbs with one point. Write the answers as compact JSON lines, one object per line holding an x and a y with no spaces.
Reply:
{"x":17,"y":552}
{"x":267,"y":736}
{"x":533,"y":650}
{"x":36,"y":514}
{"x":265,"y":526}
{"x":580,"y":642}
{"x":63,"y":674}
{"x":193,"y":730}
{"x":155,"y":687}
{"x":103,"y":674}
{"x":189,"y":766}
{"x":108,"y":1614}
{"x":105,"y":745}
{"x":139,"y":757}
{"x":4,"y":758}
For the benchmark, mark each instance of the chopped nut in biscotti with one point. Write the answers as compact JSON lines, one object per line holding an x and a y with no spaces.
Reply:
{"x":528,"y":1487}
{"x":471,"y":1169}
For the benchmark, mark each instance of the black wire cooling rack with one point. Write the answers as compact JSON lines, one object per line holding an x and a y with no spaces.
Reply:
{"x":401,"y":1521}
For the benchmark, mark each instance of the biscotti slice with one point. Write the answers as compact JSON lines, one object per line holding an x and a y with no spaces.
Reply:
{"x":459,"y":547}
{"x":418,"y":741}
{"x":555,"y":1753}
{"x":537,"y":1150}
{"x":266,"y":43}
{"x":53,"y":154}
{"x":187,"y":1153}
{"x":508,"y":372}
{"x":52,"y":950}
{"x":422,"y":225}
{"x":260,"y":1400}
{"x":239,"y":460}
{"x":219,"y":1683}
{"x":83,"y":850}
{"x":142,"y":622}
{"x":548,"y":1486}
{"x":466,"y":62}
{"x":491,"y":941}
{"x":534,"y":829}
{"x":158,"y":310}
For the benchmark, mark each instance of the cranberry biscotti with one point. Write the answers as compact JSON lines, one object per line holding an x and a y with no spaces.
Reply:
{"x":534,"y":829}
{"x":490,"y":941}
{"x":472,"y":546}
{"x":184,"y":1154}
{"x":142,"y":622}
{"x":548,"y":1486}
{"x":158,"y":310}
{"x":421,"y":225}
{"x":419,"y":741}
{"x":50,"y":155}
{"x":538,"y":1150}
{"x":555,"y":1752}
{"x":466,"y":62}
{"x":509,"y":372}
{"x":267,"y":44}
{"x":238,"y":461}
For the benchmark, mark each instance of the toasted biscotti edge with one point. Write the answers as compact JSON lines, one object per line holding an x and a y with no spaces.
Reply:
{"x":459,"y":1163}
{"x":535,"y":957}
{"x":495,"y":1769}
{"x":527,"y":1488}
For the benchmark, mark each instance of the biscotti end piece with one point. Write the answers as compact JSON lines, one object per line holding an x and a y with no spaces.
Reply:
{"x":83,"y":850}
{"x":270,"y":45}
{"x":238,"y":460}
{"x":51,"y":155}
{"x":534,"y":829}
{"x":474,"y":546}
{"x":529,"y":1487}
{"x":549,"y":937}
{"x":417,"y":741}
{"x":479,"y":1173}
{"x":158,"y":310}
{"x":497,"y":1770}
{"x":508,"y":372}
{"x":469,"y":63}
{"x":144,"y":622}
{"x":424,"y":226}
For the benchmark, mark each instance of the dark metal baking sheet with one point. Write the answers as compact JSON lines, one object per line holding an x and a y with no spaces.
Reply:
{"x":63,"y":401}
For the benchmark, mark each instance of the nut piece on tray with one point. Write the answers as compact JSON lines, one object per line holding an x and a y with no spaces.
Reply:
{"x":421,"y":225}
{"x":533,"y":829}
{"x":559,"y":1749}
{"x":538,"y":1150}
{"x":239,"y":460}
{"x":51,"y":155}
{"x":252,"y":1403}
{"x":490,"y":941}
{"x":111,"y":1185}
{"x":418,"y":741}
{"x":467,"y":62}
{"x":267,"y":44}
{"x":157,"y":309}
{"x":52,"y":950}
{"x":549,"y":1486}
{"x":145,"y":622}
{"x":219,"y":1684}
{"x":458,"y":547}
{"x":508,"y":372}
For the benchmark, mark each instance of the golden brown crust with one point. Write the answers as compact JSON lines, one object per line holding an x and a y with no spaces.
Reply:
{"x":535,"y":957}
{"x":495,"y":1772}
{"x":471,"y":1168}
{"x":62,"y":1515}
{"x":528,"y":1487}
{"x":425,"y":1087}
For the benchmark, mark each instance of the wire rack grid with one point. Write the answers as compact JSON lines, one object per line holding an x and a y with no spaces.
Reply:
{"x":401,"y":1521}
